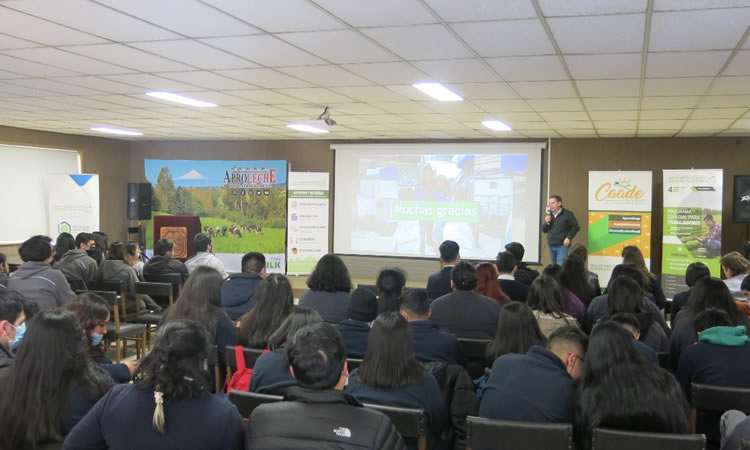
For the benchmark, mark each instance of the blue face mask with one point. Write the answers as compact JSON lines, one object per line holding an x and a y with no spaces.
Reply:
{"x":96,"y":339}
{"x":20,"y":331}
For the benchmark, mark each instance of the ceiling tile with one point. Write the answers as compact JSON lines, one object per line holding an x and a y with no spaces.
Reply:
{"x":265,"y":78}
{"x":370,"y":94}
{"x":611,"y":103}
{"x":354,"y":108}
{"x":731,"y":86}
{"x":452,"y":107}
{"x":401,"y":107}
{"x":388,"y":72}
{"x":603,"y":88}
{"x":544,"y":89}
{"x":126,"y":101}
{"x":725,"y":101}
{"x":24,"y":26}
{"x":707,"y":124}
{"x":380,"y":13}
{"x":326,"y":76}
{"x":570,"y":124}
{"x":740,"y":64}
{"x":506,"y":38}
{"x":674,"y":5}
{"x":195,"y":54}
{"x":127,"y":57}
{"x":265,"y":96}
{"x":681,"y":102}
{"x":660,"y":124}
{"x":9,"y":76}
{"x":616,"y":124}
{"x":685,"y":64}
{"x":718,"y":113}
{"x":9,"y":42}
{"x":564,"y":115}
{"x":274,"y":16}
{"x":663,"y":114}
{"x":54,"y":86}
{"x":146,"y":81}
{"x":599,"y":34}
{"x":556,"y":104}
{"x":602,"y":67}
{"x":551,"y":8}
{"x":453,"y":11}
{"x":743,"y":124}
{"x":602,"y":132}
{"x":698,"y":30}
{"x":676,"y":86}
{"x":613,"y":115}
{"x":419,"y":42}
{"x":483,"y":91}
{"x":32,"y":69}
{"x":207,"y":80}
{"x":528,"y":68}
{"x":506,"y":105}
{"x":66,"y":60}
{"x":101,"y":84}
{"x":316,"y":95}
{"x":340,"y":47}
{"x":457,"y":70}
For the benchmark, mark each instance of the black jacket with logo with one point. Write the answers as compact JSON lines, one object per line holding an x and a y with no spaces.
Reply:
{"x":563,"y":226}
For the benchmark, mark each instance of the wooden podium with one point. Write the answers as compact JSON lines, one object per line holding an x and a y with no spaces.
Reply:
{"x":181,"y":229}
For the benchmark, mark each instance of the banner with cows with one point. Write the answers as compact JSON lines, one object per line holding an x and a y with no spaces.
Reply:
{"x":241,"y":204}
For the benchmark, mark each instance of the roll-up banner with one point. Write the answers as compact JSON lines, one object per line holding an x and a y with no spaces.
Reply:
{"x":619,"y":215}
{"x":307,"y":229}
{"x":692,"y":224}
{"x":73,"y":203}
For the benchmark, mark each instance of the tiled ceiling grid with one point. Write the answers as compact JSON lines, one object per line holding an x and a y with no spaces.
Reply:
{"x":549,"y":68}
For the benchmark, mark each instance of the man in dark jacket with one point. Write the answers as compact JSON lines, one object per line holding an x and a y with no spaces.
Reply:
{"x":430,"y":343}
{"x":561,"y":226}
{"x":465,"y":313}
{"x":36,"y":280}
{"x":439,"y":283}
{"x":523,"y":273}
{"x":162,"y":263}
{"x":332,"y":418}
{"x":539,"y":386}
{"x":77,"y":266}
{"x":12,"y":324}
{"x":363,"y":309}
{"x":507,"y":267}
{"x":238,"y":291}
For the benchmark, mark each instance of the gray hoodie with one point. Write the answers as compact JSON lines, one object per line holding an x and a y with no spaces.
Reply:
{"x":77,"y":265}
{"x":41,"y":284}
{"x":118,"y":270}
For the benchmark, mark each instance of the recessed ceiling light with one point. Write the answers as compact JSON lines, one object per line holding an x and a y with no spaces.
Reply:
{"x":438,"y":91}
{"x":308,"y":127}
{"x":172,"y":97}
{"x":496,"y":125}
{"x":119,"y":131}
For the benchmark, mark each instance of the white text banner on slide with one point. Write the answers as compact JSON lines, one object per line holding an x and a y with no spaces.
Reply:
{"x":307,"y":221}
{"x":619,"y":215}
{"x":692,"y":224}
{"x":73,"y":203}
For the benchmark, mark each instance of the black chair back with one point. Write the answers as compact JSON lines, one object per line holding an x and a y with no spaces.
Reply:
{"x":77,"y":285}
{"x":155,"y":290}
{"x":251,"y":355}
{"x":353,"y":363}
{"x":175,"y":279}
{"x":117,"y":287}
{"x":512,"y":435}
{"x":718,"y":398}
{"x":373,"y":288}
{"x":475,"y":351}
{"x":410,"y":422}
{"x":605,"y":439}
{"x":246,"y":402}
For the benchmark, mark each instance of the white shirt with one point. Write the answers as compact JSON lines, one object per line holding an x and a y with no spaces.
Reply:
{"x":205,"y":259}
{"x":506,"y":276}
{"x":734,"y":284}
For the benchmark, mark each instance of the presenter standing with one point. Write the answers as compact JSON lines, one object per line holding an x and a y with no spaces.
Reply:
{"x":561,"y":226}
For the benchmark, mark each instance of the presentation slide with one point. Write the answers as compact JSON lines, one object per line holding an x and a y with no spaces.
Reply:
{"x":405,"y":199}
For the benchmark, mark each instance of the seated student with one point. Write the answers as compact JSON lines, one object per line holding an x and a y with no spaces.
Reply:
{"x":570,"y":302}
{"x":274,"y":301}
{"x":439,"y":283}
{"x":545,"y":299}
{"x":539,"y":386}
{"x":36,"y":280}
{"x":735,"y":430}
{"x":517,"y":331}
{"x":363,"y":309}
{"x":330,"y":286}
{"x":98,"y":251}
{"x":4,"y":271}
{"x":465,"y":313}
{"x":169,"y":404}
{"x":632,"y":255}
{"x":162,"y":262}
{"x":133,"y":258}
{"x":582,"y":253}
{"x":117,"y":268}
{"x":271,"y":372}
{"x":523,"y":273}
{"x":390,"y":284}
{"x":51,"y":385}
{"x":693,"y":273}
{"x":76,"y":264}
{"x":391,"y":375}
{"x":238,"y":290}
{"x":430,"y":343}
{"x":93,"y":314}
{"x":619,"y":389}
{"x":574,"y":278}
{"x":632,"y":325}
{"x":332,"y":419}
{"x":735,"y":268}
{"x":506,"y":268}
{"x":744,"y":305}
{"x":487,"y":284}
{"x":205,"y":255}
{"x":63,"y":243}
{"x":12,"y":325}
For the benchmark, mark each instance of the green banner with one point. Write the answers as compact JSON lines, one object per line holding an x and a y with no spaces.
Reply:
{"x":435,"y":211}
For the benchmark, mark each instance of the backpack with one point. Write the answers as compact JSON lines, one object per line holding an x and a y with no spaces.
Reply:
{"x":241,"y":377}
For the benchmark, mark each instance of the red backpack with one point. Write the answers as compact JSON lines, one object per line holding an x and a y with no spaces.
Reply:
{"x":241,"y":377}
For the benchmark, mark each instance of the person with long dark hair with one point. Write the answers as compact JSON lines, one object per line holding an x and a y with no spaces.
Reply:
{"x":391,"y":375}
{"x":575,"y":279}
{"x":36,"y":279}
{"x":517,"y":331}
{"x":51,"y":384}
{"x":619,"y":389}
{"x":390,"y":284}
{"x":694,"y":272}
{"x":487,"y":284}
{"x":632,"y":255}
{"x":169,"y":404}
{"x":570,"y":302}
{"x":271,"y":371}
{"x":545,"y":299}
{"x":118,"y":267}
{"x":64,"y":243}
{"x":93,"y":314}
{"x":582,"y":253}
{"x":330,"y":286}
{"x":274,"y":301}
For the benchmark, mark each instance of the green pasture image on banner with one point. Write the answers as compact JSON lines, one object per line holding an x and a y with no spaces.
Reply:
{"x":435,"y":211}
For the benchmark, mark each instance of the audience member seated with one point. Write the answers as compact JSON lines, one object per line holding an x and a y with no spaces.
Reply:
{"x":539,"y":386}
{"x":134,"y":258}
{"x":487,"y":284}
{"x":545,"y":299}
{"x":93,"y":314}
{"x":582,"y":253}
{"x":12,"y":325}
{"x":633,"y":326}
{"x":632,"y":255}
{"x":708,"y":292}
{"x":391,"y":375}
{"x":76,"y":264}
{"x":571,"y":304}
{"x":64,"y":243}
{"x":574,"y":279}
{"x":734,"y":427}
{"x":99,"y":250}
{"x":363,"y":309}
{"x":51,"y":385}
{"x":735,"y":268}
{"x":205,"y":255}
{"x":517,"y":331}
{"x":463,"y":312}
{"x":334,"y":419}
{"x":744,"y":305}
{"x":168,"y":406}
{"x":330,"y":286}
{"x":439,"y":283}
{"x":271,"y":372}
{"x":162,"y":263}
{"x":200,"y":300}
{"x":237,"y":292}
{"x":506,"y":268}
{"x":693,"y":273}
{"x":117,"y":268}
{"x":274,"y":301}
{"x":430,"y":343}
{"x":4,"y":271}
{"x":36,"y":280}
{"x":390,"y":284}
{"x":619,"y":389}
{"x":523,"y":273}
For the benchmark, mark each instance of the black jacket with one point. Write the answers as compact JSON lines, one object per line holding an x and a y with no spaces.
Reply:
{"x":333,"y":307}
{"x":6,"y":359}
{"x":160,"y":265}
{"x":119,"y":372}
{"x":432,"y":344}
{"x":514,"y":289}
{"x":461,"y":400}
{"x":679,"y":301}
{"x":238,"y":293}
{"x":271,"y":374}
{"x":354,"y":334}
{"x":439,"y":283}
{"x":563,"y":226}
{"x":333,"y":419}
{"x":524,"y":274}
{"x":466,"y":314}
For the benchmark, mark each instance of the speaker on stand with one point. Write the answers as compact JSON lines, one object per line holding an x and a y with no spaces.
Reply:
{"x":139,"y":208}
{"x":741,"y":206}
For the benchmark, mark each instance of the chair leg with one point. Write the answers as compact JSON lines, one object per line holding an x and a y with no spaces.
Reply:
{"x":118,"y":357}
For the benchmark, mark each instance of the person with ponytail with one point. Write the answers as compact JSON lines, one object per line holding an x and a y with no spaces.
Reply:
{"x":390,"y":284}
{"x":168,"y":405}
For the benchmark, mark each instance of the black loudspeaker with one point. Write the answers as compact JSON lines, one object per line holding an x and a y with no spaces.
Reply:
{"x":139,"y":201}
{"x":741,"y":199}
